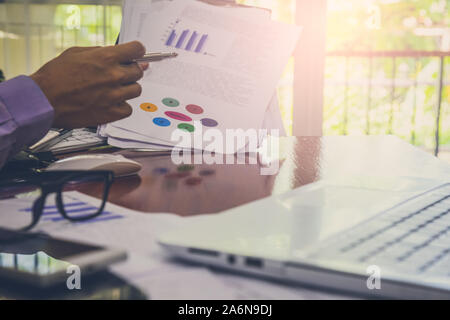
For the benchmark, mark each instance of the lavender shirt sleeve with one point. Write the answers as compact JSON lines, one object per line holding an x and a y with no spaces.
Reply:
{"x":25,"y":115}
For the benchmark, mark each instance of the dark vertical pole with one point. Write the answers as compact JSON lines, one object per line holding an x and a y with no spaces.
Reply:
{"x":6,"y":48}
{"x":36,"y":262}
{"x":439,"y":104}
{"x":391,"y":111}
{"x":345,"y":111}
{"x":105,"y":31}
{"x":62,"y":37}
{"x":27,"y":35}
{"x":96,"y":25}
{"x":41,"y":55}
{"x":309,"y":68}
{"x":414,"y":111}
{"x":369,"y":95}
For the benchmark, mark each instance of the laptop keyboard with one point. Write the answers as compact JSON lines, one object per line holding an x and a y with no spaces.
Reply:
{"x":413,"y":237}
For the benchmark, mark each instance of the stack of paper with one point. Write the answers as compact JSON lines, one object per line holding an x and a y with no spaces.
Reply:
{"x":229,"y":62}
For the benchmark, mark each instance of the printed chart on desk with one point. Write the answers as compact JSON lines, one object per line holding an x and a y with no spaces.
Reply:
{"x":74,"y":205}
{"x":196,"y":90}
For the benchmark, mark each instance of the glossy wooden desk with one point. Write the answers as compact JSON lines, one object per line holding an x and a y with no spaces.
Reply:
{"x":185,"y":190}
{"x":199,"y":189}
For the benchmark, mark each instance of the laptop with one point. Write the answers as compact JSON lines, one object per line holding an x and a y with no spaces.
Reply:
{"x":389,"y":242}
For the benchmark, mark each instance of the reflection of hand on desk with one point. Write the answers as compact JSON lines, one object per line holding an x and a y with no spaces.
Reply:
{"x":202,"y":188}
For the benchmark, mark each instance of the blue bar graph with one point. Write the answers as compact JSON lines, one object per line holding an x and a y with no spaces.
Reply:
{"x":201,"y":43}
{"x":191,"y":41}
{"x":171,"y":38}
{"x":182,"y":38}
{"x":75,"y":209}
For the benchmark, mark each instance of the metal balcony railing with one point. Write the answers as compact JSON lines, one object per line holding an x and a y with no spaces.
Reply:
{"x":393,"y":83}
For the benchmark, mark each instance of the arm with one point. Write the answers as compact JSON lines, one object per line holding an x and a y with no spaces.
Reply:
{"x":81,"y":87}
{"x":25,"y":115}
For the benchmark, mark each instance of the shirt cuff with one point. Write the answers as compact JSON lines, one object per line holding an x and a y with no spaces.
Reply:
{"x":29,"y":108}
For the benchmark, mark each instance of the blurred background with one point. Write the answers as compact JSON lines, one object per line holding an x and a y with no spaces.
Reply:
{"x":383,"y":67}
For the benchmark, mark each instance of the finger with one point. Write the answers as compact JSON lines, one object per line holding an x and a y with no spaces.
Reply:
{"x":114,"y":113}
{"x":127,"y":52}
{"x":80,"y":49}
{"x":143,"y":65}
{"x":120,"y":111}
{"x":131,"y":73}
{"x":126,"y":92}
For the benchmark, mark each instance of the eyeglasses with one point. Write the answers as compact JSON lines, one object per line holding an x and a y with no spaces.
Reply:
{"x":16,"y":213}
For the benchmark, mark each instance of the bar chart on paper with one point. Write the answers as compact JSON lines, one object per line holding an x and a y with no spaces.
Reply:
{"x":194,"y":40}
{"x":189,"y":40}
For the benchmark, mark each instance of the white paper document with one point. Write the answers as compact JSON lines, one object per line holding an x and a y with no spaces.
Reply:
{"x":224,"y":76}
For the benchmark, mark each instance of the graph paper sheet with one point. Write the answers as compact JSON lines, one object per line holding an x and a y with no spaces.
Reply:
{"x":228,"y":64}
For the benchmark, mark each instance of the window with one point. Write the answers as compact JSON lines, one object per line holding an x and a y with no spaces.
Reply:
{"x":387,"y":69}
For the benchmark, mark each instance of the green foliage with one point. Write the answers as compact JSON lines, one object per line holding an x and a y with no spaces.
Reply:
{"x":351,"y":25}
{"x":413,"y":104}
{"x":88,"y":25}
{"x":394,"y":28}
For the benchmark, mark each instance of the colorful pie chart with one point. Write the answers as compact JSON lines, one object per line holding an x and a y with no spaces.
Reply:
{"x":171,"y":102}
{"x":186,"y":127}
{"x":148,"y":107}
{"x":177,"y":116}
{"x":162,"y":122}
{"x":195,"y":109}
{"x":207,"y":122}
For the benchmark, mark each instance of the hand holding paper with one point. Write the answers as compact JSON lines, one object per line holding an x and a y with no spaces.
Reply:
{"x":228,"y":64}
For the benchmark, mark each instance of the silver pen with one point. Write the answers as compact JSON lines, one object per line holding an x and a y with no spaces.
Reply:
{"x":155,"y":56}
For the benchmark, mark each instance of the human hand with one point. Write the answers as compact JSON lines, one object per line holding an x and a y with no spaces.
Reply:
{"x":88,"y":86}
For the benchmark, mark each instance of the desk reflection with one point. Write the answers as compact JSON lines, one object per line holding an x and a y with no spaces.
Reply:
{"x":194,"y":189}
